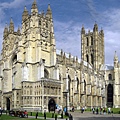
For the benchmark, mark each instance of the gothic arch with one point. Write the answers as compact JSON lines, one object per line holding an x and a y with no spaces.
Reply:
{"x":60,"y":77}
{"x":87,"y":58}
{"x":46,"y":73}
{"x":85,"y":86}
{"x":87,"y":41}
{"x":109,"y":76}
{"x":77,"y":84}
{"x":69,"y":88}
{"x":8,"y":103}
{"x":13,"y":59}
{"x":51,"y":105}
{"x":91,"y":40}
{"x":110,"y":95}
{"x":92,"y":59}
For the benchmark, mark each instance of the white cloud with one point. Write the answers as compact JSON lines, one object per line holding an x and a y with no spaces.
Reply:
{"x":112,"y":33}
{"x":15,"y":3}
{"x":68,"y":37}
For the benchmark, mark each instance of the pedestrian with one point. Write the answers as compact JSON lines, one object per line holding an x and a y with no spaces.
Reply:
{"x":45,"y":115}
{"x":109,"y":110}
{"x":100,"y":110}
{"x":93,"y":110}
{"x":0,"y":111}
{"x":36,"y":115}
{"x":97,"y":110}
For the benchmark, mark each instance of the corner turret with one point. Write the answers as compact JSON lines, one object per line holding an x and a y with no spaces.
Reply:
{"x":34,"y":9}
{"x":11,"y":27}
{"x":95,"y":27}
{"x":82,"y":30}
{"x":5,"y":31}
{"x":25,"y":14}
{"x":49,"y":12}
{"x":18,"y":31}
{"x":115,"y":60}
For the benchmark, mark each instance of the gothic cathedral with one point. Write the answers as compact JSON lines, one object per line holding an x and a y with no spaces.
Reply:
{"x":34,"y":74}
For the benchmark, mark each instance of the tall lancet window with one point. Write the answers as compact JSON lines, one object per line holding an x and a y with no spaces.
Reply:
{"x":25,"y":72}
{"x":14,"y":61}
{"x":77,"y":84}
{"x":110,"y":77}
{"x":85,"y":86}
{"x":60,"y":77}
{"x":69,"y":86}
{"x":87,"y":41}
{"x":87,"y":58}
{"x":91,"y":40}
{"x":46,"y":73}
{"x":92,"y":59}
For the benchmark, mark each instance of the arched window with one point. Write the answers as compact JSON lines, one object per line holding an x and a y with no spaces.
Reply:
{"x":46,"y":74}
{"x":110,"y":77}
{"x":92,"y":59}
{"x":85,"y":86}
{"x":110,"y":95}
{"x":39,"y":22}
{"x":14,"y":59}
{"x":69,"y":84}
{"x":87,"y":42}
{"x":77,"y":84}
{"x":87,"y":58}
{"x":91,"y":40}
{"x":59,"y":77}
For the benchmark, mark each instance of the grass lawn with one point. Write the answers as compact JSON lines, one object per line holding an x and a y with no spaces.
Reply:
{"x":7,"y":117}
{"x":48,"y":115}
{"x":115,"y":110}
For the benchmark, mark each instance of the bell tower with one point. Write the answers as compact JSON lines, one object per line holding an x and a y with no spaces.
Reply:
{"x":92,"y":46}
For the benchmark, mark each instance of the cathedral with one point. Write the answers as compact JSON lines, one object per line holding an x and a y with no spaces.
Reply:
{"x":34,"y":74}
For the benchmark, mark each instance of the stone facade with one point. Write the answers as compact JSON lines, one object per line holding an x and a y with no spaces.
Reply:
{"x":33,"y":71}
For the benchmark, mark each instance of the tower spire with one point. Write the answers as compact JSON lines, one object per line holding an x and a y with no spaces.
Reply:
{"x":34,"y":8}
{"x":5,"y":30}
{"x":83,"y":30}
{"x":115,"y":56}
{"x":95,"y":27}
{"x":25,"y":13}
{"x":11,"y":27}
{"x":18,"y":31}
{"x":49,"y":12}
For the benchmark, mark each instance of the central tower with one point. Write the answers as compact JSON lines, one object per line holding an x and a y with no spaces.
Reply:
{"x":92,"y":47}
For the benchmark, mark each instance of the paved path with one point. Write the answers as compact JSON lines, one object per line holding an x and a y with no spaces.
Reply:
{"x":89,"y":116}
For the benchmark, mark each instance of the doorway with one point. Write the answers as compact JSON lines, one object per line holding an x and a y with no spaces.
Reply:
{"x":110,"y":95}
{"x":51,"y":105}
{"x":8,"y":103}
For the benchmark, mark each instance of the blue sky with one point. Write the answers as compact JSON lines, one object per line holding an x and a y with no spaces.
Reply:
{"x":68,"y":18}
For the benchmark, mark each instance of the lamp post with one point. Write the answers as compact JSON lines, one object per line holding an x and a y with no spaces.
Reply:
{"x":65,"y":94}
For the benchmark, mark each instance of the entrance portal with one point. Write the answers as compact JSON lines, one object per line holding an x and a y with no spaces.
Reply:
{"x":8,"y":103}
{"x":51,"y":105}
{"x":110,"y":95}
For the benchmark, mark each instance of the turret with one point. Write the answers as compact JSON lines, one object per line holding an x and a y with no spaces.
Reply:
{"x":25,"y":14}
{"x":115,"y":60}
{"x":11,"y":27}
{"x":34,"y":8}
{"x":83,"y":30}
{"x":49,"y":12}
{"x":95,"y":29}
{"x":18,"y":31}
{"x":5,"y":31}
